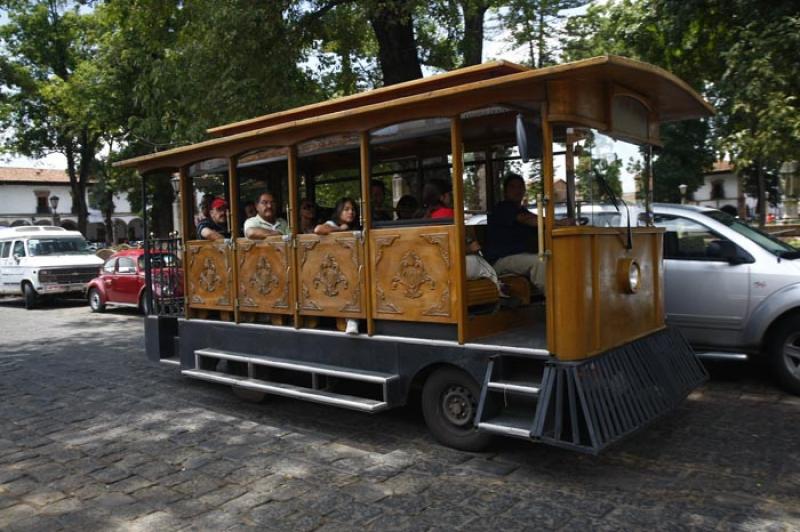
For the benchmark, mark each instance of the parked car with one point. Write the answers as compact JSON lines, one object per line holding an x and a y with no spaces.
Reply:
{"x":44,"y":261}
{"x":732,"y":290}
{"x":122,"y":280}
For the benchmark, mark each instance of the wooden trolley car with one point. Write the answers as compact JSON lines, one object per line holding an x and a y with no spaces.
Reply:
{"x":580,"y":364}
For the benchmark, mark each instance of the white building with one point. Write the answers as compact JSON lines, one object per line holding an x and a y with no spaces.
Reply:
{"x":722,"y":188}
{"x":27,"y":198}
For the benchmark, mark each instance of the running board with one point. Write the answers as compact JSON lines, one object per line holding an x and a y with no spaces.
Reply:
{"x":365,"y":391}
{"x":288,"y":390}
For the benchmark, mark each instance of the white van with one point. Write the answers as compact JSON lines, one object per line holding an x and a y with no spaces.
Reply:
{"x":44,"y":260}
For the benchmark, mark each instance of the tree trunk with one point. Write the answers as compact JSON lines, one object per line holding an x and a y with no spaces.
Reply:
{"x":472,"y":43}
{"x":397,"y":46}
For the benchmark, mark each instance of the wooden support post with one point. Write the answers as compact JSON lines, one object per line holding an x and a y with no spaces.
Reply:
{"x":366,"y":178}
{"x":233,"y":194}
{"x":458,"y":220}
{"x":187,"y":215}
{"x":547,"y":177}
{"x":294,"y":273}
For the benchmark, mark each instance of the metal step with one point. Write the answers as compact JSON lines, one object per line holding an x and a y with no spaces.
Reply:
{"x":520,"y":387}
{"x":172,"y":361}
{"x":308,"y":367}
{"x":289,"y":390}
{"x":505,"y":425}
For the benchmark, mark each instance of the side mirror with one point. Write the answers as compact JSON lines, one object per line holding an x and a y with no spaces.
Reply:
{"x":729,"y":252}
{"x":16,"y":257}
{"x":529,"y":138}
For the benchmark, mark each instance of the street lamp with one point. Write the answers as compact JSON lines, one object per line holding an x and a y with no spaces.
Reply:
{"x":175,"y":182}
{"x":683,"y":188}
{"x":54,"y":205}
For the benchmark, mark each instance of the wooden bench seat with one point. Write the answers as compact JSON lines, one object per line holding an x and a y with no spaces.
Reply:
{"x":484,"y":292}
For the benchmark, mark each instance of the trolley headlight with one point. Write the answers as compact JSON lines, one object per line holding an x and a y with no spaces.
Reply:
{"x":630,"y":275}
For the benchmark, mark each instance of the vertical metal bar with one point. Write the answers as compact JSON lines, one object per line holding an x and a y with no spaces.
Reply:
{"x":592,"y":424}
{"x":457,"y":154}
{"x":573,"y":411}
{"x":559,"y":413}
{"x":484,"y":390}
{"x":366,"y":188}
{"x":148,"y":277}
{"x":569,"y":165}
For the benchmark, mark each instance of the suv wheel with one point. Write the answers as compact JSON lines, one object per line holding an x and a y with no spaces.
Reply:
{"x":783,"y":351}
{"x":31,"y":297}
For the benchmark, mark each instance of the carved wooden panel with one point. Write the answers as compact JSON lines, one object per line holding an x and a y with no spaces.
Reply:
{"x":414,"y":278}
{"x":331,"y":275}
{"x":210,"y":271}
{"x":265,"y":275}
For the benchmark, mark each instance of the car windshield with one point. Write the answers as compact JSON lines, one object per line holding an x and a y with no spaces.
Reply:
{"x":58,"y":246}
{"x":160,"y":260}
{"x":766,"y":241}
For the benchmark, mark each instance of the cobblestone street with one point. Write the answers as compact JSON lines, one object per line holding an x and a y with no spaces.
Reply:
{"x":95,"y":437}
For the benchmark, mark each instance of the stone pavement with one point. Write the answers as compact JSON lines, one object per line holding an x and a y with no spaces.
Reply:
{"x":94,"y":437}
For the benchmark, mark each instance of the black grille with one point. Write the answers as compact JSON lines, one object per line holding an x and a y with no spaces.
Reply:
{"x":68,"y":275}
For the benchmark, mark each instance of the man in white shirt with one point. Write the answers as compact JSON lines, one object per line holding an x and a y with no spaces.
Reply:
{"x":266,"y":222}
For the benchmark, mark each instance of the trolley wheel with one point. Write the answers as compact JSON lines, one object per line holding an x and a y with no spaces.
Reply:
{"x":248,"y":395}
{"x":30,"y":295}
{"x":783,"y":350}
{"x":449,"y":405}
{"x":96,"y":301}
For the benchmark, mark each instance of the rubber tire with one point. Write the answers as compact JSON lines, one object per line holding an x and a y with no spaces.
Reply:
{"x":248,"y":395}
{"x":786,"y":330}
{"x":463,"y":438}
{"x":143,"y":305}
{"x":30,"y":295}
{"x":99,"y":306}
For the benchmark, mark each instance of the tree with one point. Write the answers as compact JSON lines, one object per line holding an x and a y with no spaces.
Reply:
{"x":48,"y":43}
{"x":535,"y":24}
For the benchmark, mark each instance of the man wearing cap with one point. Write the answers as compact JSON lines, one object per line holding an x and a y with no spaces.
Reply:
{"x":266,"y":222}
{"x":215,"y":227}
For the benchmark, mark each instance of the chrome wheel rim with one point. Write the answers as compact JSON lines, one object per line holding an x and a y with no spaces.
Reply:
{"x":458,"y":406}
{"x":94,"y":300}
{"x":791,"y":354}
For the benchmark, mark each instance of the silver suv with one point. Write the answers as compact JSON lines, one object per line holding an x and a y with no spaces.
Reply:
{"x":732,"y":289}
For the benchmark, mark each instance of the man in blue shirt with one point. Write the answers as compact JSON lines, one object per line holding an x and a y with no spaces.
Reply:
{"x":511,"y":235}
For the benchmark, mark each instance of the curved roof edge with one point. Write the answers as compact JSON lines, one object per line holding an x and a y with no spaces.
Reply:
{"x":674,"y":99}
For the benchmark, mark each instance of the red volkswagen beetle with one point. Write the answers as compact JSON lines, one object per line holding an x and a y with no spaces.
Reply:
{"x":121,"y":280}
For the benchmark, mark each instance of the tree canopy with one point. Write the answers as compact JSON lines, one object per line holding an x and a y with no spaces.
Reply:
{"x":100,"y":80}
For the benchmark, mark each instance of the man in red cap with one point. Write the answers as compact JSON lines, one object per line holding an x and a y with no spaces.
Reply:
{"x":215,"y":227}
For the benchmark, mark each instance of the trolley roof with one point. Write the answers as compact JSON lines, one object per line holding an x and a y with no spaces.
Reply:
{"x":449,"y":94}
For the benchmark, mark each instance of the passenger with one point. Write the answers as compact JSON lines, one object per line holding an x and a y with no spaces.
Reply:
{"x":205,"y":207}
{"x":437,"y":199}
{"x":377,"y":195}
{"x":511,"y":235}
{"x":344,"y":218}
{"x":266,"y":222}
{"x":249,"y":210}
{"x":215,"y":226}
{"x":477,"y":267}
{"x":406,"y":207}
{"x":308,"y":216}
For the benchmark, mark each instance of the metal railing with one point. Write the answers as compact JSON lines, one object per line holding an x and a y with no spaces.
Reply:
{"x":164,"y":276}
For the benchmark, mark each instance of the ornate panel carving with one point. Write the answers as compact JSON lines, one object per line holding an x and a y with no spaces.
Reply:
{"x":412,"y":279}
{"x":265,"y":275}
{"x":210,"y":275}
{"x":331,"y":275}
